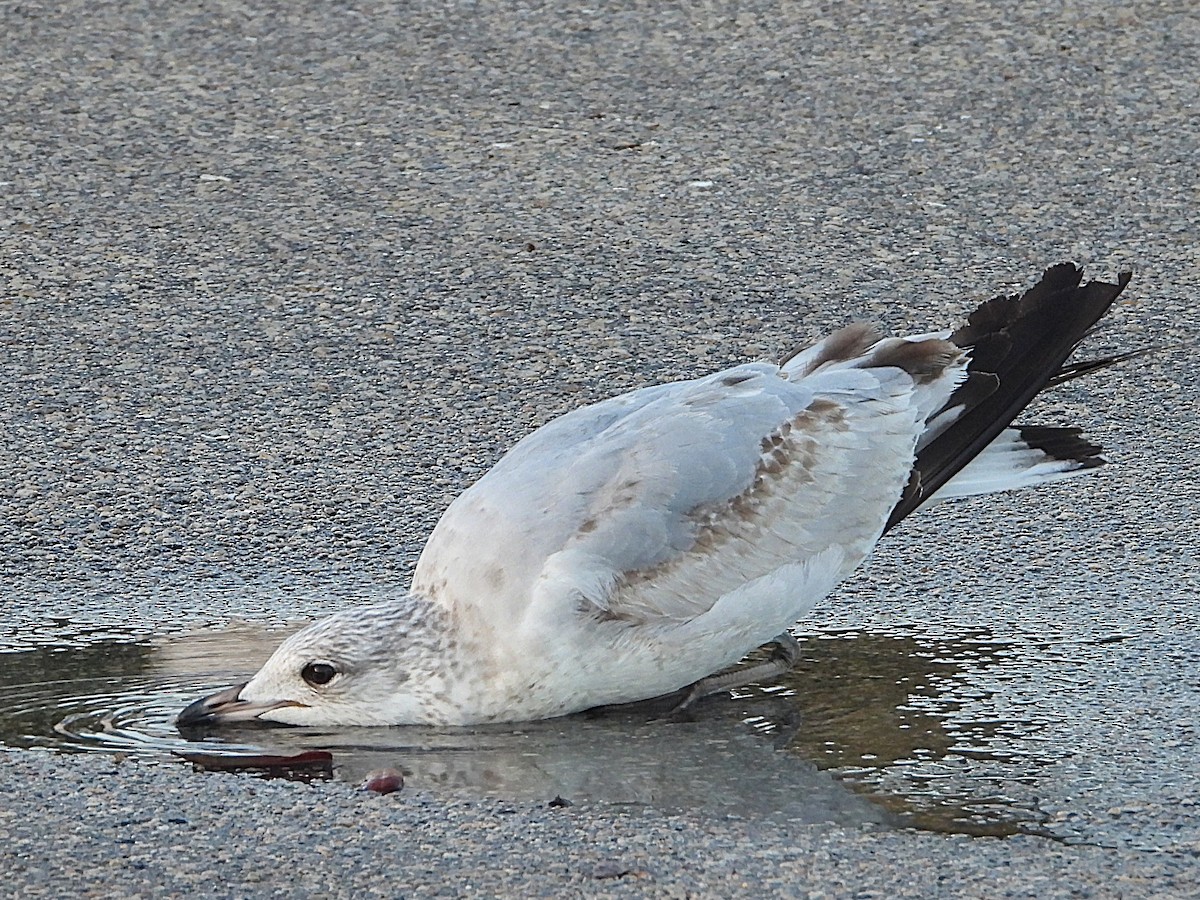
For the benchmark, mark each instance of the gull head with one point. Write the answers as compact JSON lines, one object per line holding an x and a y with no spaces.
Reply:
{"x":382,"y":664}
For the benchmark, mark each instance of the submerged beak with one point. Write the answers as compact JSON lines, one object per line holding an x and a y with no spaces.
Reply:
{"x":226,"y":706}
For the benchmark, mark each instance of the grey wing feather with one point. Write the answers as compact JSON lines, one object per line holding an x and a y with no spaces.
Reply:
{"x":654,"y":504}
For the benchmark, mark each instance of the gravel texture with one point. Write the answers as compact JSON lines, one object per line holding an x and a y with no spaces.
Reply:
{"x":280,"y":279}
{"x":128,"y":830}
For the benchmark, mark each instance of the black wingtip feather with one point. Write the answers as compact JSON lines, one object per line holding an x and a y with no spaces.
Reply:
{"x":1071,"y":371}
{"x":1023,"y":340}
{"x":1062,"y":443}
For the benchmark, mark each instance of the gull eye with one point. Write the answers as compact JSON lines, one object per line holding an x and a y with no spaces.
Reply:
{"x":318,"y":673}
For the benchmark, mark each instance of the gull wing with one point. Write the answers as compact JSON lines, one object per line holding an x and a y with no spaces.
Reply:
{"x":653,"y":505}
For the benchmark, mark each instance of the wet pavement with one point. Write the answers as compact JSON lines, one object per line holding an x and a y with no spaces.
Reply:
{"x":899,"y":728}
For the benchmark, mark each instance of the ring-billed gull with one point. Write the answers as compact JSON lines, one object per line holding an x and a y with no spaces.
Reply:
{"x":636,"y":546}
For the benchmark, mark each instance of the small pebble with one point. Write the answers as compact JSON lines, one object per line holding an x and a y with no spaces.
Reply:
{"x":384,"y":781}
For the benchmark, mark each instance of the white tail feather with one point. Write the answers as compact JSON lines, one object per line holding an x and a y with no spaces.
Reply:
{"x":1009,"y":462}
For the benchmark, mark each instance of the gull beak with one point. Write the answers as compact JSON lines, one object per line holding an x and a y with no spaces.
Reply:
{"x":226,"y":706}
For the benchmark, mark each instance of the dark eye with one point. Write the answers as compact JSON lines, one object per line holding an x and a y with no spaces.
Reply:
{"x":316,"y":673}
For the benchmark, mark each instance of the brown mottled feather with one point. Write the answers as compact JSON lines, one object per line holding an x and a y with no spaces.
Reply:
{"x":923,"y":360}
{"x":844,"y":344}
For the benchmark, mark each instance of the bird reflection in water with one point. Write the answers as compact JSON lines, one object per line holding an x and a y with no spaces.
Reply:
{"x":898,"y":717}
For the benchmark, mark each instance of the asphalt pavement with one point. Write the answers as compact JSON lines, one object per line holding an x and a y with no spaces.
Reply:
{"x":278,"y":280}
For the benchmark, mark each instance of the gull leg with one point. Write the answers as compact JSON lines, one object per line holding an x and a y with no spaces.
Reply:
{"x":783,"y":657}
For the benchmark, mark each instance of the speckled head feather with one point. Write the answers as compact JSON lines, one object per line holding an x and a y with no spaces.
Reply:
{"x":372,"y":653}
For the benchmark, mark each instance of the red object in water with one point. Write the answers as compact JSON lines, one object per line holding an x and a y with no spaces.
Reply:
{"x":266,"y":763}
{"x":384,"y":781}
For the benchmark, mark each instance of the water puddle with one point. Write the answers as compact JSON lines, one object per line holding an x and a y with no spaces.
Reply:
{"x":894,"y":727}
